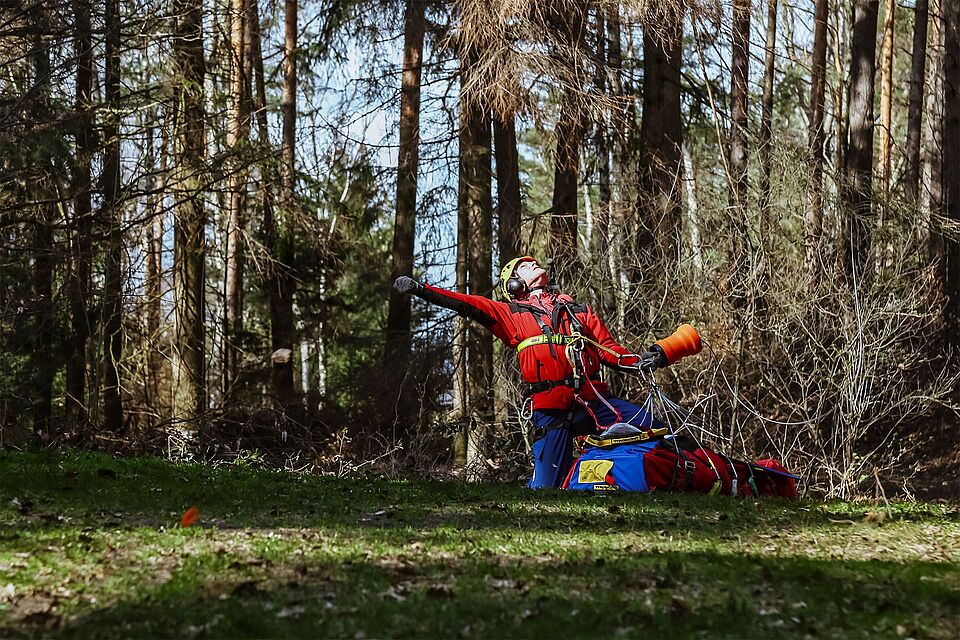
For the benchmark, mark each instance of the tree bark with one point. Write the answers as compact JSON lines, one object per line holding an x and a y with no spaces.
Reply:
{"x":154,"y":268}
{"x":659,"y":201}
{"x":651,"y":163}
{"x":693,"y":216}
{"x":911,"y":179}
{"x":279,"y":233}
{"x":113,"y":220}
{"x":764,"y":146}
{"x":41,"y":346}
{"x":839,"y":91}
{"x":461,"y":361}
{"x":566,"y":176}
{"x":737,"y":226}
{"x":886,"y":99}
{"x":623,"y":126}
{"x":951,"y":168}
{"x":190,"y":393}
{"x":238,"y":134}
{"x":76,"y":411}
{"x":932,"y":151}
{"x":671,"y":186}
{"x":766,"y":117}
{"x":569,"y":138}
{"x":508,"y":187}
{"x":601,"y":142}
{"x":816,"y":136}
{"x":396,"y":361}
{"x":476,"y":202}
{"x":857,"y":192}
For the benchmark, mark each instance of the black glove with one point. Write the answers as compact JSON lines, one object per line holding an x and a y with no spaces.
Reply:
{"x":653,"y":359}
{"x":406,"y":284}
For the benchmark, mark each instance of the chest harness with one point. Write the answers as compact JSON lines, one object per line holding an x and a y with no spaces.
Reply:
{"x":575,"y":342}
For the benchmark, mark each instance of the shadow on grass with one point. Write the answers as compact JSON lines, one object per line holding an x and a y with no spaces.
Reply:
{"x":321,"y":556}
{"x":104,"y":492}
{"x":652,"y":594}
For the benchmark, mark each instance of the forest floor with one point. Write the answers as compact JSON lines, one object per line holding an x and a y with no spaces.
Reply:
{"x":90,"y":546}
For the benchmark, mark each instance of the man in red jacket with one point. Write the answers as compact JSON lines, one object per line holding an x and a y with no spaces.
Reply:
{"x":561,"y":345}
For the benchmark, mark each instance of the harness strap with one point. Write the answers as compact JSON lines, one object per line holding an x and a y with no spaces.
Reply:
{"x":689,"y":468}
{"x":516,"y":307}
{"x":732,"y":470}
{"x":546,"y":385}
{"x":543,"y":339}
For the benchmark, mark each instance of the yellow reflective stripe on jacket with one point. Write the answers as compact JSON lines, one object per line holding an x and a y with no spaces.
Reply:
{"x":542,"y":339}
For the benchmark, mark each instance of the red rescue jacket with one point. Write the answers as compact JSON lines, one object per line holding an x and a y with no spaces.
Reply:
{"x":514,"y":322}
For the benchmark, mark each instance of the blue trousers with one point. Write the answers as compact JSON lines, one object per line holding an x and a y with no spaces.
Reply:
{"x":553,"y":452}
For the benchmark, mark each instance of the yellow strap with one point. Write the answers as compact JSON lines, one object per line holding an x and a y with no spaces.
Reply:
{"x":646,"y":436}
{"x":542,"y":339}
{"x":563,"y":339}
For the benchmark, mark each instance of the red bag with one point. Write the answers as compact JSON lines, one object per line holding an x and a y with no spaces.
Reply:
{"x":678,"y":464}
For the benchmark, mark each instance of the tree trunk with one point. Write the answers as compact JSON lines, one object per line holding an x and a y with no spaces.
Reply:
{"x":154,"y":268}
{"x":238,"y":134}
{"x":267,"y":173}
{"x":839,"y":91}
{"x":41,"y":347}
{"x":651,"y":162}
{"x":601,"y":140}
{"x":260,"y":90}
{"x":461,"y":361}
{"x":857,"y":192}
{"x":911,"y":179}
{"x":659,"y":201}
{"x":932,"y":151}
{"x":764,"y":146}
{"x":566,"y":176}
{"x":737,"y":226}
{"x":76,"y":375}
{"x":693,"y":216}
{"x":113,"y":220}
{"x":671,"y":186}
{"x":190,"y":394}
{"x":509,"y":242}
{"x":816,"y":135}
{"x":569,"y":138}
{"x":623,"y":126}
{"x":951,"y":168}
{"x":475,"y":199}
{"x":280,"y":232}
{"x":42,"y":360}
{"x":396,"y":362}
{"x":508,"y":232}
{"x":886,"y":99}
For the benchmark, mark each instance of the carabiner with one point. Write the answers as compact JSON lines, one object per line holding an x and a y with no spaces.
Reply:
{"x":526,"y":409}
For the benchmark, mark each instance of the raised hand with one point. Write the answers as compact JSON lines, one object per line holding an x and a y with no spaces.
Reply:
{"x":406,"y":284}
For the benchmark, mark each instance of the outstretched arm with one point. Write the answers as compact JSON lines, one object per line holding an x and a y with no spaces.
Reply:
{"x":487,"y":312}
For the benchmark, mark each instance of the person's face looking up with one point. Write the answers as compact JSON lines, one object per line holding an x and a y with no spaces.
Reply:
{"x":532,"y":273}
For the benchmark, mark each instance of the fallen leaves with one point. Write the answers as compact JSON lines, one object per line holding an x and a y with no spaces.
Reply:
{"x":190,"y":516}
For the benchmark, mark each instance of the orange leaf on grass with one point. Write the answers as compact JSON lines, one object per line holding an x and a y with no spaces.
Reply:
{"x":190,"y":516}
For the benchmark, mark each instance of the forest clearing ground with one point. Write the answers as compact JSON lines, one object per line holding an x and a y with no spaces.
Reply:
{"x":89,"y":546}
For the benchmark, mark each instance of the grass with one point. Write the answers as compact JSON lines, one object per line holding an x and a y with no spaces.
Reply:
{"x":89,"y":547}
